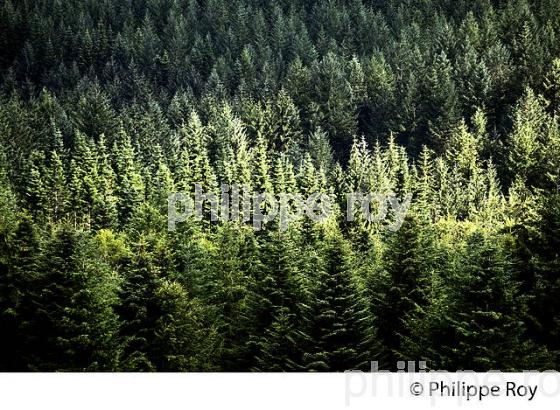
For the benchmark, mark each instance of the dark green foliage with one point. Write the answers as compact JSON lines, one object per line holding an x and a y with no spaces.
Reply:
{"x":19,"y":271}
{"x":72,"y":324}
{"x":107,"y":108}
{"x":410,"y":259}
{"x":488,"y":312}
{"x":164,"y":328}
{"x":338,"y":320}
{"x":276,"y":303}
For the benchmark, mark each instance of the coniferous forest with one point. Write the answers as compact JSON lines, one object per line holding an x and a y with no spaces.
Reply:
{"x":106,"y":107}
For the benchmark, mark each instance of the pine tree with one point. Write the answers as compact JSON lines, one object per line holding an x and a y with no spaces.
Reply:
{"x":378,"y":114}
{"x":358,"y":167}
{"x":162,"y":184}
{"x":278,"y":294}
{"x":525,"y":140}
{"x":441,"y":102}
{"x":337,"y":325}
{"x":94,"y":113}
{"x":8,"y":207}
{"x":337,"y":112}
{"x":74,"y":327}
{"x":35,"y":191}
{"x":281,"y":350}
{"x":56,"y":181}
{"x":552,"y":86}
{"x":105,"y":208}
{"x":129,"y":187}
{"x":226,"y":285}
{"x":181,"y":341}
{"x":138,"y":310}
{"x":544,"y":261}
{"x":321,"y":151}
{"x":83,"y":177}
{"x":198,"y":169}
{"x":427,"y":336}
{"x":225,"y":128}
{"x":463,"y":150}
{"x":424,"y":185}
{"x":19,"y":252}
{"x":261,"y":167}
{"x":488,"y":312}
{"x":308,"y":178}
{"x":409,"y":261}
{"x":283,"y":125}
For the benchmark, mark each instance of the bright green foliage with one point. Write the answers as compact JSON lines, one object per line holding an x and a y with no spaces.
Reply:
{"x":552,"y":86}
{"x":129,"y":186}
{"x":525,"y":143}
{"x":182,"y":342}
{"x":105,"y":111}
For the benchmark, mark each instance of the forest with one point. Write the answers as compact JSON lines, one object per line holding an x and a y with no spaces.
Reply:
{"x":108,"y":106}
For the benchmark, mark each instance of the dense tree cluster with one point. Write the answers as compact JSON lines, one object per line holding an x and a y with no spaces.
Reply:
{"x":106,"y":107}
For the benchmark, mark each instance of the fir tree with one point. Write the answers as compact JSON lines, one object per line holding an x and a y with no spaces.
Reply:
{"x":74,"y":327}
{"x":409,"y":262}
{"x":338,"y":317}
{"x":488,"y":312}
{"x":129,"y":184}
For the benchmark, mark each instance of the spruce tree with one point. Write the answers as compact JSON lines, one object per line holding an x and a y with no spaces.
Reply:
{"x":74,"y":326}
{"x":488,"y":312}
{"x":182,"y":342}
{"x":19,"y":253}
{"x":129,"y":184}
{"x":337,"y":326}
{"x":278,"y":295}
{"x":105,"y":208}
{"x":409,"y":261}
